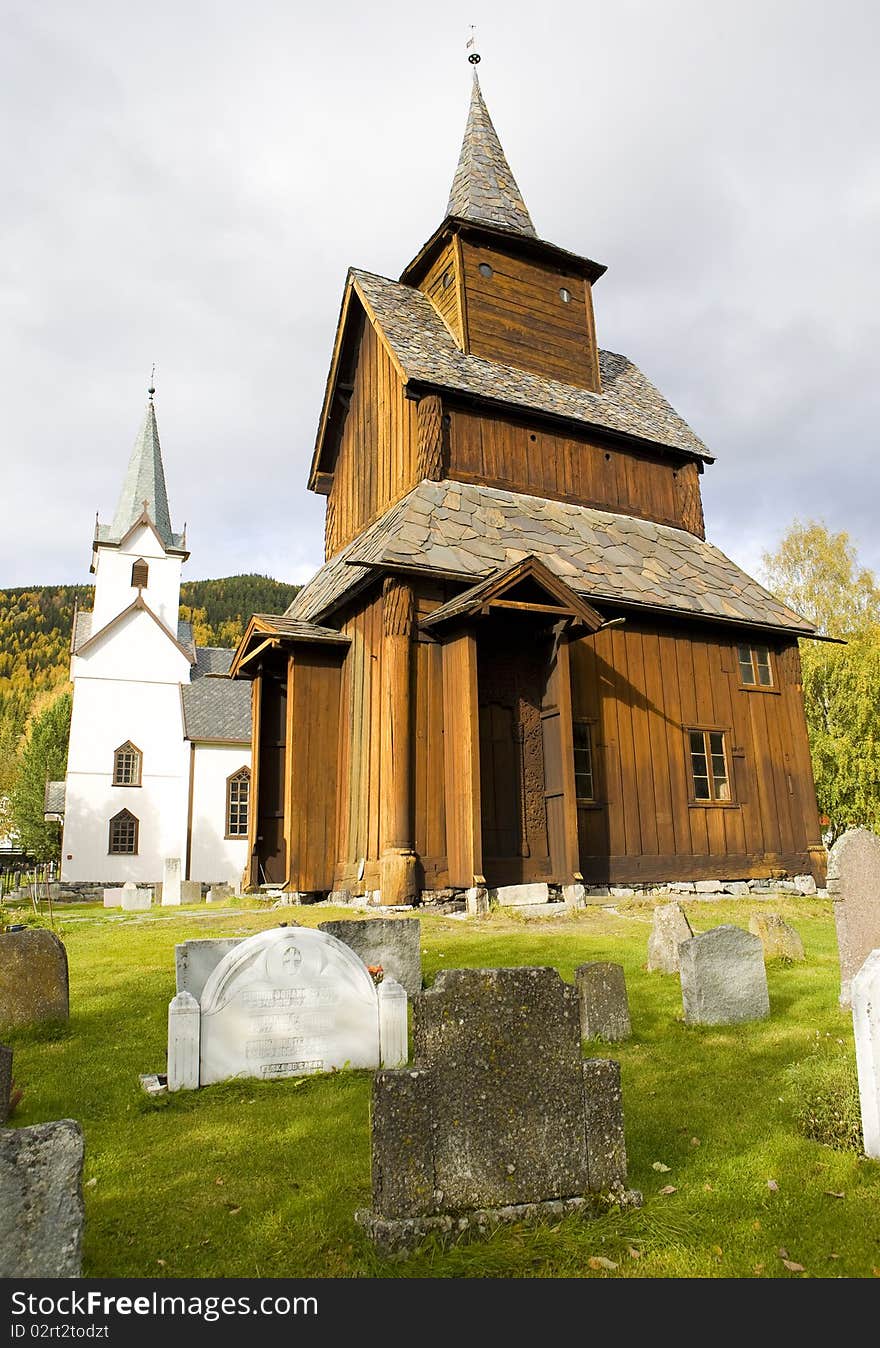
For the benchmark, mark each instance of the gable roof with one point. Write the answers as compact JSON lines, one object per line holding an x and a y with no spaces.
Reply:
{"x":426,"y":356}
{"x":464,"y":531}
{"x":484,"y":188}
{"x":82,"y":631}
{"x":490,"y":593}
{"x":183,"y":641}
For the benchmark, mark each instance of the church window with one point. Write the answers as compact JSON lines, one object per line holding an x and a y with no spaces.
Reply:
{"x":485,"y":270}
{"x":447,"y":280}
{"x":127,"y":765}
{"x":710,"y":779}
{"x":238,"y":791}
{"x":140,"y":573}
{"x":584,"y":780}
{"x":123,"y":834}
{"x":754,"y":667}
{"x":565,"y":295}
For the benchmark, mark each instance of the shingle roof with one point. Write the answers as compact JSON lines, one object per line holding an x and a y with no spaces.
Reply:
{"x":471,"y":531}
{"x":211,"y":660}
{"x":288,"y":626}
{"x":143,"y":489}
{"x":484,"y":188}
{"x":82,"y":631}
{"x":216,"y":708}
{"x":427,"y":352}
{"x":54,"y":798}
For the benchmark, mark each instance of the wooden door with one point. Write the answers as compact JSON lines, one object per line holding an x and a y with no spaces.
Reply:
{"x":512,"y":665}
{"x":271,"y":849}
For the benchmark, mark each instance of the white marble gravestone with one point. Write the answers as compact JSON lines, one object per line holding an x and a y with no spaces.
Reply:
{"x":171,"y":882}
{"x":286,"y":1003}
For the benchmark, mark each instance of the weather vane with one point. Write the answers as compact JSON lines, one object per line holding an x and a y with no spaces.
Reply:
{"x":152,"y":389}
{"x":474,"y":57}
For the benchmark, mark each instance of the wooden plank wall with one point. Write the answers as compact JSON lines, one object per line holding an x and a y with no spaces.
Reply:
{"x":377,"y":457}
{"x":359,"y":746}
{"x":441,"y":283}
{"x":516,"y":316}
{"x":640,"y":687}
{"x":522,"y":457}
{"x":313,"y":699}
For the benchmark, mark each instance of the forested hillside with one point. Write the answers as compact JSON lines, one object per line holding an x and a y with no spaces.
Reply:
{"x":35,"y":627}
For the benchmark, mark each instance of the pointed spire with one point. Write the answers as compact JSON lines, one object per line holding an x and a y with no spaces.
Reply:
{"x":484,"y":189}
{"x":144,"y":485}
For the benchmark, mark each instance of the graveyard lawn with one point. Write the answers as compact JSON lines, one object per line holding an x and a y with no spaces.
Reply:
{"x":261,"y":1179}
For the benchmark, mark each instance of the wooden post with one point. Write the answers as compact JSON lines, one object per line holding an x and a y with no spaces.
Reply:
{"x":397,"y":863}
{"x":461,"y":741}
{"x":251,"y":876}
{"x":566,"y":730}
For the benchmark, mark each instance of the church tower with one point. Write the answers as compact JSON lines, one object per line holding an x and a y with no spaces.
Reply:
{"x":125,"y":798}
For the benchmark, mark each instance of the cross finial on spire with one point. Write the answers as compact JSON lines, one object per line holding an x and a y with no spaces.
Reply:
{"x":471,"y":46}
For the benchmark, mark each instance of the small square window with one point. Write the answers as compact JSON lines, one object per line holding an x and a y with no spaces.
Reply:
{"x":710,"y":777}
{"x":755,"y":670}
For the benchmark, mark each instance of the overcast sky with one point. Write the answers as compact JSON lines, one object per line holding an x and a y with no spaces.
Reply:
{"x":187,"y":183}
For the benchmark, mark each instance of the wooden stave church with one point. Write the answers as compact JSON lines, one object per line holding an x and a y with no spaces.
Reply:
{"x":504,"y":669}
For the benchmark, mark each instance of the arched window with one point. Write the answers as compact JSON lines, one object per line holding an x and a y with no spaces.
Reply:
{"x":127,"y":765}
{"x":123,"y":834}
{"x":140,"y":573}
{"x":238,"y":794}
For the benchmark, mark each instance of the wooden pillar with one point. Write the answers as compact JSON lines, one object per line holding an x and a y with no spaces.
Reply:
{"x":251,"y":875}
{"x":461,"y":749}
{"x":566,"y":730}
{"x":397,"y":862}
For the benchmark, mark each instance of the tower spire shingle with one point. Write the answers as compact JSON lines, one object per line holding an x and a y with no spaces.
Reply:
{"x":484,"y":188}
{"x":144,"y":486}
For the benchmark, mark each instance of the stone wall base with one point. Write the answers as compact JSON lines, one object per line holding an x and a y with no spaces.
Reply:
{"x":391,"y":1235}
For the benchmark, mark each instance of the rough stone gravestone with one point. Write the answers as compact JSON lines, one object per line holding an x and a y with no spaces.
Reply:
{"x":195,"y":961}
{"x":854,"y":886}
{"x":499,"y":1118}
{"x":780,"y":941}
{"x":41,"y":1206}
{"x":866,"y":1025}
{"x":5,"y":1082}
{"x":33,"y":977}
{"x":602,"y":1001}
{"x":395,"y":943}
{"x":171,"y":883}
{"x":669,"y":928}
{"x":288,"y":1002}
{"x":723,"y":979}
{"x":190,"y":891}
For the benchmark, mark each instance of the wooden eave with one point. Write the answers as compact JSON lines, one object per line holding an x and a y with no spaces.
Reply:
{"x":138,"y":605}
{"x":521,"y":244}
{"x":262,"y":634}
{"x":355,"y":308}
{"x":490,"y":593}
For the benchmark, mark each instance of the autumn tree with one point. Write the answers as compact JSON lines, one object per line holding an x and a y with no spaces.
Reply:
{"x":43,"y":758}
{"x":819,"y":574}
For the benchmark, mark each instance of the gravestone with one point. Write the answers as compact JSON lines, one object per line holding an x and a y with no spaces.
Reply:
{"x":190,"y":891}
{"x":113,"y":897}
{"x":183,"y":1043}
{"x":217,"y":893}
{"x":669,"y":928}
{"x":33,"y":977}
{"x":171,"y":883}
{"x":723,"y":979}
{"x":602,"y":1002}
{"x":499,"y":1118}
{"x":288,"y":1002}
{"x":135,"y":900}
{"x":866,"y":1025}
{"x":41,"y":1205}
{"x":854,"y":886}
{"x":395,"y":943}
{"x":195,"y":961}
{"x":5,"y":1082}
{"x":780,"y":941}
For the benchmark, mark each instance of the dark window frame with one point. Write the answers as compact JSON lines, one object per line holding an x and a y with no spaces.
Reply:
{"x":234,"y":777}
{"x":755,"y":686}
{"x":586,"y":802}
{"x":126,"y":817}
{"x":712,"y":802}
{"x":129,"y":747}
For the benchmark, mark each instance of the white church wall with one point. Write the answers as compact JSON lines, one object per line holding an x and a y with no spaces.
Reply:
{"x":214,"y":856}
{"x":107,"y":711}
{"x":114,"y":590}
{"x":135,"y":648}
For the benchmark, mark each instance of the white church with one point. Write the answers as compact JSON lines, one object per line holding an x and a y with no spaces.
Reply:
{"x":159,"y":759}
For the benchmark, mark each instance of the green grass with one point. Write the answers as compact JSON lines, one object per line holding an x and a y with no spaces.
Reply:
{"x":262,"y":1178}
